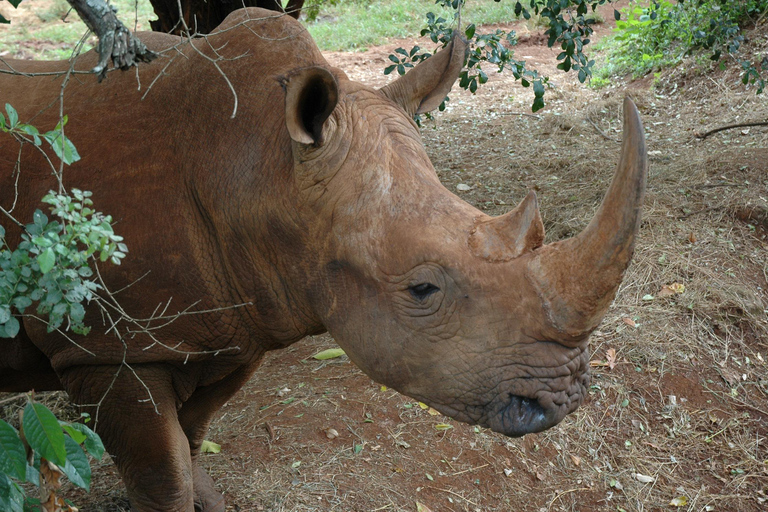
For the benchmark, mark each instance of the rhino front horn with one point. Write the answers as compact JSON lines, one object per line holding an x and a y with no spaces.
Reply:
{"x":577,"y":278}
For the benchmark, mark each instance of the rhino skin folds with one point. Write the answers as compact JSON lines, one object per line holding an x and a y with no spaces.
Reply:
{"x":316,"y":206}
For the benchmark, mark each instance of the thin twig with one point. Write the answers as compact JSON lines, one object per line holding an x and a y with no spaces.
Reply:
{"x":729,"y":127}
{"x":12,"y":398}
{"x":601,"y":131}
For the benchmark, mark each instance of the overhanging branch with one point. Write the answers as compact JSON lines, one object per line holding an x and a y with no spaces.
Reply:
{"x":115,"y":40}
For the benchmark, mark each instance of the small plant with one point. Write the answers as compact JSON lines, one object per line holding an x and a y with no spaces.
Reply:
{"x":51,"y":264}
{"x":42,"y":451}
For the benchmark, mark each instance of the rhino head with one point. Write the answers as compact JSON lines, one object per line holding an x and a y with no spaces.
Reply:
{"x":468,"y":313}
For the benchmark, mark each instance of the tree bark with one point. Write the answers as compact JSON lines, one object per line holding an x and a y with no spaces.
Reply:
{"x":115,"y":40}
{"x":202,"y":16}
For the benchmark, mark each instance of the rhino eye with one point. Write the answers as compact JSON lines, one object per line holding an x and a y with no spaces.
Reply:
{"x":422,"y":290}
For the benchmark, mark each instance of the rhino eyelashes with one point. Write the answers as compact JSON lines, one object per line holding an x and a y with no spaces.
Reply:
{"x":421,"y":291}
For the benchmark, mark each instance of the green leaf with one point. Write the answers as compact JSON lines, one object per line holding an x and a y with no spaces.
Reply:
{"x":13,"y":116}
{"x":10,"y":329}
{"x":46,"y":260}
{"x":11,"y":495}
{"x":75,"y":434}
{"x":13,"y":459}
{"x":76,"y":466}
{"x":210,"y":447}
{"x":92,"y":440}
{"x":331,"y":353}
{"x":470,"y":31}
{"x":39,"y":218}
{"x":62,"y":146}
{"x":43,"y":433}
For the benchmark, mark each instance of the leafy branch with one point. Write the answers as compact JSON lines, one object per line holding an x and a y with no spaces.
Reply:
{"x":43,"y":450}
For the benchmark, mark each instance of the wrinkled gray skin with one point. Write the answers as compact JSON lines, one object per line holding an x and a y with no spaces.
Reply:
{"x":317,"y":206}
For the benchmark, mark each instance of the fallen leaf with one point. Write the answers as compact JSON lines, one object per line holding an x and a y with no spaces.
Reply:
{"x":539,"y":476}
{"x":400,"y":442}
{"x":462,"y":187}
{"x":422,"y":508}
{"x":432,"y":412}
{"x":629,"y":322}
{"x":383,"y":388}
{"x":443,"y":426}
{"x":423,"y":405}
{"x":331,"y":433}
{"x":680,"y":501}
{"x":210,"y":447}
{"x":692,"y":238}
{"x":575,"y":459}
{"x":643,"y":478}
{"x":508,"y":472}
{"x":648,"y":297}
{"x":671,"y":289}
{"x":610,"y":358}
{"x":331,"y":353}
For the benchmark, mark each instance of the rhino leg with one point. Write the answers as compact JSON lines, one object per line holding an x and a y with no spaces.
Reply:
{"x":195,"y":417}
{"x":143,"y":435}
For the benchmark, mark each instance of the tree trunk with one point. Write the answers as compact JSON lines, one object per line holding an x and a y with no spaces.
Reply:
{"x":202,"y":16}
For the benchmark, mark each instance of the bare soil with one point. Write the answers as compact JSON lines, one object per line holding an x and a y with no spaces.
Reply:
{"x":678,"y":406}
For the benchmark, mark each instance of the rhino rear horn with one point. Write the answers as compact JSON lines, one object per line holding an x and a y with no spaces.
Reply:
{"x":578,"y":278}
{"x":425,"y":86}
{"x":311,"y":94}
{"x":510,"y":235}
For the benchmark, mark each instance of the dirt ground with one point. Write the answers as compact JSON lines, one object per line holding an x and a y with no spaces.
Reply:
{"x":677,"y":417}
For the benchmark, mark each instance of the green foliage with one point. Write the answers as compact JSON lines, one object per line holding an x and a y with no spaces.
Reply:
{"x":662,"y":34}
{"x":51,"y":264}
{"x":492,"y":48}
{"x":60,"y":144}
{"x":56,"y":441}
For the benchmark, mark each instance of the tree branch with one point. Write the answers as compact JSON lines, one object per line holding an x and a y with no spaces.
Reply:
{"x":115,"y":40}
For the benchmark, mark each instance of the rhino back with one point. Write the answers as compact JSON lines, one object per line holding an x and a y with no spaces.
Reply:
{"x":184,"y":179}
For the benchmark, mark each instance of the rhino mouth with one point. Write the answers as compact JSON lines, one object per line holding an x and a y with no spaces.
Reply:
{"x":522,"y":415}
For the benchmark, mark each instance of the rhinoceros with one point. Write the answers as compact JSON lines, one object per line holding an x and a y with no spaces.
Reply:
{"x":315,"y":208}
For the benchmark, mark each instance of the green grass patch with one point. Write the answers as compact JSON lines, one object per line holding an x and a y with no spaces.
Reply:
{"x":45,"y":35}
{"x":358,"y":24}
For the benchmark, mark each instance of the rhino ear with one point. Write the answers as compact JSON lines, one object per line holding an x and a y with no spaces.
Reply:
{"x":311,"y":94}
{"x":425,"y":87}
